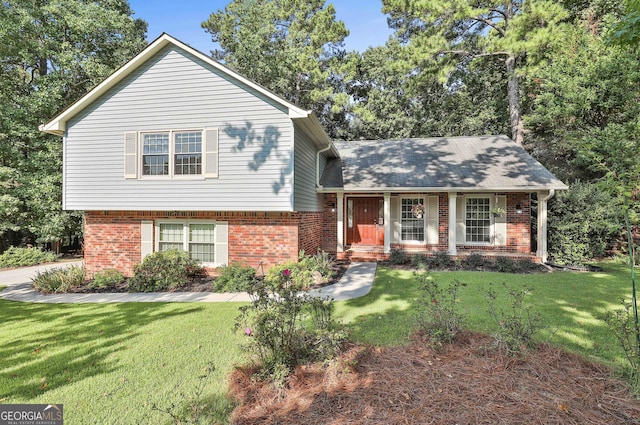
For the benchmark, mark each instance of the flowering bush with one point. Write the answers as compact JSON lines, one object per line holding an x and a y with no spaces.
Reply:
{"x":284,"y":328}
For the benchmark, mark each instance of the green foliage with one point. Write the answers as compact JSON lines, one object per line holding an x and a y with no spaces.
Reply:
{"x":58,"y":280}
{"x":584,"y":221}
{"x":442,"y":35}
{"x":517,"y":324}
{"x":438,"y":314}
{"x":285,"y":328}
{"x":52,"y":52}
{"x":291,"y":47}
{"x":474,"y":260}
{"x":106,"y":279}
{"x":291,"y":273}
{"x":19,"y":257}
{"x":622,"y":326}
{"x":164,"y":270}
{"x":419,"y":261}
{"x":505,"y":265}
{"x":398,"y":256}
{"x":440,"y":259}
{"x":235,"y":278}
{"x":321,"y":263}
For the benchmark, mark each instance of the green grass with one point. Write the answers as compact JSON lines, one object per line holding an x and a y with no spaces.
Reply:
{"x":108,"y":363}
{"x":571,"y":304}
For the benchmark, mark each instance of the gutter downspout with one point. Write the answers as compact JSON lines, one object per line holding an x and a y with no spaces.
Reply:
{"x":542,"y":225}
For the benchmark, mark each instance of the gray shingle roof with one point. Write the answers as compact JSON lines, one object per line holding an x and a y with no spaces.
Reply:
{"x":463,"y":163}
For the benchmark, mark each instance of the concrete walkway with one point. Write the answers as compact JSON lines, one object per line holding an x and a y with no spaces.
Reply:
{"x":356,"y":282}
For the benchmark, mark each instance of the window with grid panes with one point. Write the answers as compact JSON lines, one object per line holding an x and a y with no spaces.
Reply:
{"x":478,"y":220}
{"x":198,"y":239}
{"x":177,"y":153}
{"x":412,"y":226}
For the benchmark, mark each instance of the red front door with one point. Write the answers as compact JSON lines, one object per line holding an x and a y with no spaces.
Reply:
{"x":364,"y":221}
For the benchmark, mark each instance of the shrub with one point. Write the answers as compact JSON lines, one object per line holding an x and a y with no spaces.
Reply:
{"x":285,"y":328}
{"x":297,"y":276}
{"x":474,"y":260}
{"x":505,"y":265}
{"x":622,"y":326}
{"x":584,"y":222}
{"x":517,"y":324}
{"x":164,"y":270}
{"x":235,"y":278}
{"x":398,"y":256}
{"x":321,"y":263}
{"x":106,"y":279}
{"x":419,"y":261}
{"x":20,"y":257}
{"x":438,"y":314}
{"x":58,"y":280}
{"x":525,"y":265}
{"x":440,"y":259}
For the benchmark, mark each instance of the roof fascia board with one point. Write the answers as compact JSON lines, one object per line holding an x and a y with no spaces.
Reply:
{"x":58,"y":124}
{"x":441,"y":189}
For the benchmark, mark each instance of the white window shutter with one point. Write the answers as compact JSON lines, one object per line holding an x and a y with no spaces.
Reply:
{"x":461,"y":224}
{"x":222,"y":244}
{"x":500,"y":223}
{"x":146,"y":237}
{"x":210,"y":153}
{"x":432,"y":220}
{"x":131,"y":155}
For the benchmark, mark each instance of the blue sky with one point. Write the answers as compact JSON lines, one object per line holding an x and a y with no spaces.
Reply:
{"x":181,"y":19}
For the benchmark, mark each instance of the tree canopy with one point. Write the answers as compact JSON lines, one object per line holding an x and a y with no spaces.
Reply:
{"x":51,"y":53}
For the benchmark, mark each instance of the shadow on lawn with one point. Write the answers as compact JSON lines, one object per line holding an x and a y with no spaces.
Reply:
{"x":56,"y":345}
{"x":386,"y":315}
{"x":572,"y":305}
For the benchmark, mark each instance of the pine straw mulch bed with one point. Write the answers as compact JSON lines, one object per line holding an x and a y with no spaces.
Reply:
{"x":468,"y":382}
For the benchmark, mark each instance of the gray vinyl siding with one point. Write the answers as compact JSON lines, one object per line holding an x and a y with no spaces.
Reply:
{"x":305,"y":196}
{"x":176,"y":91}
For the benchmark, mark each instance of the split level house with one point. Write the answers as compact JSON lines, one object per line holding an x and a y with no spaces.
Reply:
{"x":175,"y":150}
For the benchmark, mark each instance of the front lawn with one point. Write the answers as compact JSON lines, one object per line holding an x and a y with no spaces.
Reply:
{"x":109,"y":363}
{"x":571,"y":305}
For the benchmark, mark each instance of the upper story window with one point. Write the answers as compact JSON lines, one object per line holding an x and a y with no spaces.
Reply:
{"x":172,"y":153}
{"x":177,"y":151}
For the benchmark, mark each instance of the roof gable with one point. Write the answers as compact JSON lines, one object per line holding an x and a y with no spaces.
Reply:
{"x":58,"y":124}
{"x":494,"y":163}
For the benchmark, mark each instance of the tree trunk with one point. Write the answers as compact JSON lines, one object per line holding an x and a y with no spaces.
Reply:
{"x":515,"y":107}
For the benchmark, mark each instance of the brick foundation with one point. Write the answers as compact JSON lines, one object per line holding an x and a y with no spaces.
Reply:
{"x":112,"y":239}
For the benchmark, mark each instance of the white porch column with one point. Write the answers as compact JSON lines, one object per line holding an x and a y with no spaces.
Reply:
{"x":340,"y":215}
{"x":387,"y":222}
{"x":543,"y":197}
{"x":452,"y":222}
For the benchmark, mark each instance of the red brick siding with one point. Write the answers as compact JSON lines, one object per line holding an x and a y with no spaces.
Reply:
{"x":329,"y":241}
{"x":113,"y":240}
{"x":310,"y":233}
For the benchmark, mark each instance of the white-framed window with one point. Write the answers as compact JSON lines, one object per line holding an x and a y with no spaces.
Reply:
{"x":198,"y":238}
{"x":412,"y":222}
{"x":478,"y":220}
{"x":171,"y":154}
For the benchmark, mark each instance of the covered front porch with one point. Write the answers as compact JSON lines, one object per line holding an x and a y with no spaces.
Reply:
{"x":368,"y":226}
